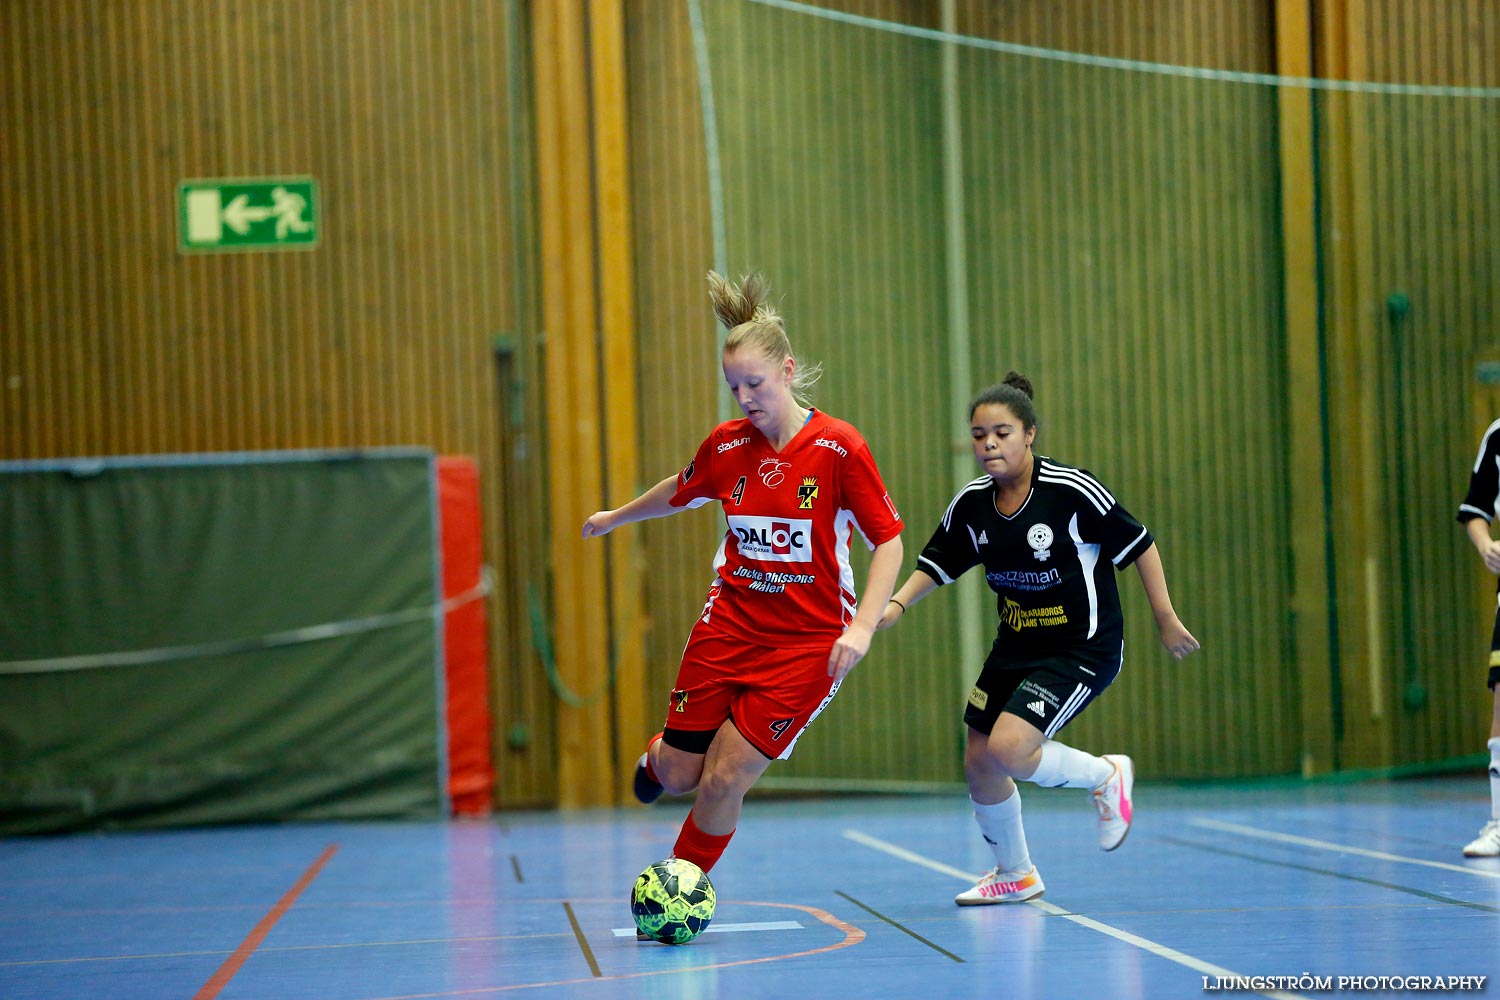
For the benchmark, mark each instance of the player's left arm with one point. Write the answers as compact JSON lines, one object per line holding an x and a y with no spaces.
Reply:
{"x":851,"y":647}
{"x":862,"y":487}
{"x":1174,"y":635}
{"x":1489,"y":550}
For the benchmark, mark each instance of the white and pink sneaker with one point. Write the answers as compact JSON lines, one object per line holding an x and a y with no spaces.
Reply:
{"x":1003,"y":887}
{"x":1112,"y":799}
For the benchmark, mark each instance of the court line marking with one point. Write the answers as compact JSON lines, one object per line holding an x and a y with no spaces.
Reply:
{"x":1145,"y":944}
{"x":225,"y":973}
{"x":898,"y":925}
{"x":583,"y":941}
{"x":763,"y":925}
{"x":1328,"y":845}
{"x":1343,"y":876}
{"x":852,"y":935}
{"x":335,"y":946}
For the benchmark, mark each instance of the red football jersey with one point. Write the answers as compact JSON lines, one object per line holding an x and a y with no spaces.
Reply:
{"x":783,"y":572}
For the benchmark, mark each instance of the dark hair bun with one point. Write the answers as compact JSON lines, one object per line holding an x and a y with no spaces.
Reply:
{"x":1016,"y":380}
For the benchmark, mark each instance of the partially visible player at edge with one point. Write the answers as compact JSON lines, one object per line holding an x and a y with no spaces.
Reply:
{"x":780,"y":628}
{"x":1047,"y":535}
{"x":1480,"y":507}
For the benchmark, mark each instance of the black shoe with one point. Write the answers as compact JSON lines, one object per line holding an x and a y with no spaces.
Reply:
{"x":647,"y":789}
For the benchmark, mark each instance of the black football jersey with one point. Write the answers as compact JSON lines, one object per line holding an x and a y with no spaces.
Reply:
{"x":1049,"y":563}
{"x":1483,"y":498}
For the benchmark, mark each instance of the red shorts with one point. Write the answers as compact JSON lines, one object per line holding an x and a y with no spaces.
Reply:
{"x":771,"y":693}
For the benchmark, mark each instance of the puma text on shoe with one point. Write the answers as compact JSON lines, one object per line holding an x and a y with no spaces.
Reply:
{"x":1003,"y":887}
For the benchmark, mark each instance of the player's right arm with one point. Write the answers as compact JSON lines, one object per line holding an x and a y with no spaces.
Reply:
{"x":947,"y":555}
{"x":916,"y":587}
{"x":655,"y":502}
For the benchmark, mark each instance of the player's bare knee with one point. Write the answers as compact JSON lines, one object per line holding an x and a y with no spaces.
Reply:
{"x":724,"y":783}
{"x":679,"y":773}
{"x":981,"y":767}
{"x":1012,"y":758}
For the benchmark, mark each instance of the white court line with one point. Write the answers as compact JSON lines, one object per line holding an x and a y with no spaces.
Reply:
{"x":1326,"y":845}
{"x":764,"y":925}
{"x":1160,"y":950}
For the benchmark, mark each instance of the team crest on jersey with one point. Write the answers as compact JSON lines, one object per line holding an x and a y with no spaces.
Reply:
{"x":1039,"y":537}
{"x":1011,"y":615}
{"x":772,"y":471}
{"x":807,"y":492}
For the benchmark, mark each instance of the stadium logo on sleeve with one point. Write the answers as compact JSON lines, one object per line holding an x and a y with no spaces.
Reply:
{"x":830,"y":443}
{"x":807,"y":492}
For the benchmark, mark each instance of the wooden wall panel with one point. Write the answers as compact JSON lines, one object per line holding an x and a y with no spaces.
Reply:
{"x":835,"y":129}
{"x":416,"y":320}
{"x":115,"y":343}
{"x":1141,"y":271}
{"x":1222,"y":35}
{"x":1124,"y":255}
{"x":677,"y":380}
{"x":1413,"y":185}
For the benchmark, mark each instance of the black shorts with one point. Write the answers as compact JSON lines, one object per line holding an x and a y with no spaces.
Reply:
{"x":1495,"y":649}
{"x":1048,"y":693}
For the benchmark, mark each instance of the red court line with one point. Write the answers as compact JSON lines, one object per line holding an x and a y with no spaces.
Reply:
{"x":220,"y":979}
{"x":852,"y":935}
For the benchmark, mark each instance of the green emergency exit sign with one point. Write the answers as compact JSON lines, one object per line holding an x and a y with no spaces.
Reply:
{"x":250,"y":213}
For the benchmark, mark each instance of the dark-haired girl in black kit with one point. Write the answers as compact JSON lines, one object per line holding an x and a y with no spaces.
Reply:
{"x":1047,"y":535}
{"x":1480,"y":507}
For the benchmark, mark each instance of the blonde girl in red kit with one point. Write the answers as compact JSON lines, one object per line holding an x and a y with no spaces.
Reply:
{"x":781,"y":626}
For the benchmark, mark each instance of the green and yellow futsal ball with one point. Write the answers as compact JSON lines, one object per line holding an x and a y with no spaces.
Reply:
{"x":672,"y":901}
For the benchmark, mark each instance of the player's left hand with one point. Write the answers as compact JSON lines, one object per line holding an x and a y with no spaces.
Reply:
{"x":1178,"y":640}
{"x":848,"y":650}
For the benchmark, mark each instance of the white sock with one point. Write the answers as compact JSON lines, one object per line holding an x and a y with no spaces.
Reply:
{"x":1001,"y":826}
{"x":1494,"y":745}
{"x":1063,"y":767}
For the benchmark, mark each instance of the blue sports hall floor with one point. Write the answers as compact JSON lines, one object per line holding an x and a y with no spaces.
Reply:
{"x":1282,"y":890}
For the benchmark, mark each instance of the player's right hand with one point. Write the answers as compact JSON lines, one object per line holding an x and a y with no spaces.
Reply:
{"x":599,"y":523}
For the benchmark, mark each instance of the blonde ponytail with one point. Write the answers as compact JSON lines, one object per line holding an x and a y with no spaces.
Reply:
{"x":755,"y":325}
